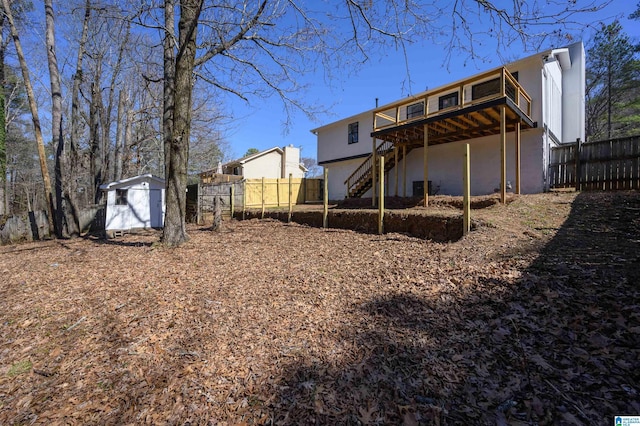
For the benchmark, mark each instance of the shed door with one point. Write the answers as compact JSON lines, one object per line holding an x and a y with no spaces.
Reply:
{"x":155,"y":204}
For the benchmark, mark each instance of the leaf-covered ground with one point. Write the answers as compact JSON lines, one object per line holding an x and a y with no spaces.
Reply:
{"x":531,"y":319}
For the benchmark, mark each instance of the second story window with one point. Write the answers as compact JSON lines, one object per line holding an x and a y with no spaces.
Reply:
{"x":353,"y":132}
{"x":415,"y":110}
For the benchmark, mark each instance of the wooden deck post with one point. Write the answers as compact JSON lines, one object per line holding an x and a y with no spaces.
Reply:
{"x":518,"y":156}
{"x":466,"y":198}
{"x":503,"y":154}
{"x":404,"y":171}
{"x":290,"y":196}
{"x":395,"y":167}
{"x":374,"y":155}
{"x":325,"y":199}
{"x":426,"y":165}
{"x":381,"y":201}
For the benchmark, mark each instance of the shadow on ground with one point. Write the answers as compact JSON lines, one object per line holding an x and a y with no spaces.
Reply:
{"x":560,"y":344}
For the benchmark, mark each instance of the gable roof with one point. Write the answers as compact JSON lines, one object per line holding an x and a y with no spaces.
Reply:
{"x":129,"y":181}
{"x":251,"y":157}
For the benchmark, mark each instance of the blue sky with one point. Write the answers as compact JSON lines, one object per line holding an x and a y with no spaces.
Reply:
{"x":260,"y":122}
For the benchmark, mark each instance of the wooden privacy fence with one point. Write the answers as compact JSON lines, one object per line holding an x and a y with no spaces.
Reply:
{"x":254,"y":193}
{"x":602,"y":165}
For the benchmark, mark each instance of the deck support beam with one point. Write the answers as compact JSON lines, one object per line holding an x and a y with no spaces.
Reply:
{"x":518,"y":155}
{"x":395,"y":167}
{"x":381,"y":201}
{"x":404,"y":171}
{"x":426,"y":165}
{"x":503,"y":154}
{"x":466,"y":191}
{"x":374,"y":163}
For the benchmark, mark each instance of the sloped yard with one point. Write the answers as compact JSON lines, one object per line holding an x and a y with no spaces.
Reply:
{"x":534,"y":318}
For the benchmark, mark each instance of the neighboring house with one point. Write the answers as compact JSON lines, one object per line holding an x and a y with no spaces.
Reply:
{"x":137,"y":202}
{"x":272,"y":163}
{"x":534,"y":104}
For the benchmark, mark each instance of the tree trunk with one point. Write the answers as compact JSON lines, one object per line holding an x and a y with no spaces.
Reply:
{"x":105,"y":115}
{"x":217,"y":214}
{"x":56,"y":115}
{"x":97,"y":164}
{"x":120,"y":125}
{"x":176,"y":179}
{"x":128,"y":137}
{"x":4,"y":204}
{"x":74,"y":146}
{"x":34,"y":115}
{"x":169,"y":82}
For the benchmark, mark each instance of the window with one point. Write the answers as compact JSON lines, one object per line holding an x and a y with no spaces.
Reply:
{"x":353,"y":132}
{"x":415,"y":110}
{"x":121,"y":197}
{"x":447,"y":101}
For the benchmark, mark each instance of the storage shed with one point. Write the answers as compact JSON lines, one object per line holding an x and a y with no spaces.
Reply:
{"x":135,"y":203}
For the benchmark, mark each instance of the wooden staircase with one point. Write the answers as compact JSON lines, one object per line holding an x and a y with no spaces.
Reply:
{"x":361,"y":179}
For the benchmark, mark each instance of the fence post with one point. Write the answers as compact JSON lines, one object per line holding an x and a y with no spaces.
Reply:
{"x":325,"y":200}
{"x":244,"y":197}
{"x":578,"y":153}
{"x":290,"y":195}
{"x":262,"y":215}
{"x":466,"y":199}
{"x":199,"y":205}
{"x":381,"y":199}
{"x":232,"y":204}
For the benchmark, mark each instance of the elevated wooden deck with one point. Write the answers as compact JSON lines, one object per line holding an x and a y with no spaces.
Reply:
{"x":460,"y":111}
{"x":492,"y":103}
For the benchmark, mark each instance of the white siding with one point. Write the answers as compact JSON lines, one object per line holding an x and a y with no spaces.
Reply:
{"x":144,"y":208}
{"x":333,"y":143}
{"x":573,"y":96}
{"x":445,"y":166}
{"x":338,"y":173}
{"x":553,"y":98}
{"x":267,"y":166}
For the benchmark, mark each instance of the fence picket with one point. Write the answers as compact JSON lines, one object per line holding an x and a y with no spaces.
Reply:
{"x":604,"y":165}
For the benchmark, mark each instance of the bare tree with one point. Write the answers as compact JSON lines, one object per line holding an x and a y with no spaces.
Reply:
{"x":261,"y":48}
{"x":75,"y":133}
{"x":34,"y":114}
{"x":56,"y":124}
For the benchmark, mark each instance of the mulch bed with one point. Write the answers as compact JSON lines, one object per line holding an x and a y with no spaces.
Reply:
{"x":531,"y":319}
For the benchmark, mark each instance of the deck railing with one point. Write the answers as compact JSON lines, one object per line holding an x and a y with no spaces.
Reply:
{"x":495,"y":84}
{"x":365,"y":168}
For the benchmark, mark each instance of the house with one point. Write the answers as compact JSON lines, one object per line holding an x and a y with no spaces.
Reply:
{"x":133,"y":203}
{"x":510,"y":116}
{"x":272,"y":163}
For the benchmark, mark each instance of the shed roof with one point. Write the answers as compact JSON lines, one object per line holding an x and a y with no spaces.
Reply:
{"x":131,"y":180}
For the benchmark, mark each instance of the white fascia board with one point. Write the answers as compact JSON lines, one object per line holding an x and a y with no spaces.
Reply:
{"x":128,"y":181}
